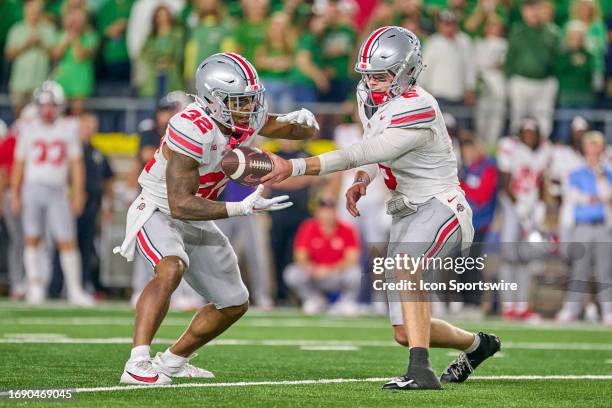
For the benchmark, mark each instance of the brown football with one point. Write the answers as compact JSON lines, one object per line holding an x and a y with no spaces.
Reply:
{"x":246,"y":165}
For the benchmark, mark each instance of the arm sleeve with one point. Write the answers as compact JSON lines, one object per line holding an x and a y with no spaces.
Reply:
{"x":75,"y":148}
{"x":371,"y":170}
{"x":391,"y":144}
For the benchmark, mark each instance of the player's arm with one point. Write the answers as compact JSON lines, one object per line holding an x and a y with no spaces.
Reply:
{"x":506,"y":179}
{"x":389,"y":145}
{"x":297,"y":125}
{"x":183,"y":182}
{"x":16,"y":180}
{"x":77,"y":177}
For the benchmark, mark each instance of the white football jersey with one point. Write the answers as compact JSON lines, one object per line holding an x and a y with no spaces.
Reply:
{"x":195,"y":134}
{"x":426,"y":171}
{"x":526,"y":167}
{"x":47,"y":149}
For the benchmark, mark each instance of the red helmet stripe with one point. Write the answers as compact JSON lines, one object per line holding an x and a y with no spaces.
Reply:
{"x":245,"y":66}
{"x":370,"y":41}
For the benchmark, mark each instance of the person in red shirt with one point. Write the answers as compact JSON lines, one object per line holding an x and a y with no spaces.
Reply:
{"x":12,"y":222}
{"x":326,"y":254}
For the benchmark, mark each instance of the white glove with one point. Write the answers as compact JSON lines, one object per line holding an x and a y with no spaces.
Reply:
{"x":302,"y":117}
{"x":255,"y":203}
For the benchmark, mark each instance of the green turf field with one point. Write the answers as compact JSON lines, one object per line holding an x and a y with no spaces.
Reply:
{"x":286,"y":359}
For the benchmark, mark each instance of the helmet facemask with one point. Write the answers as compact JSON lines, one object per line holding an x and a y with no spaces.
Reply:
{"x":228,"y":109}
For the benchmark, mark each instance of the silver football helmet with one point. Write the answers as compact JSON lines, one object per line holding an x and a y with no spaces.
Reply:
{"x":50,"y":92}
{"x":228,"y":84}
{"x":394,"y":50}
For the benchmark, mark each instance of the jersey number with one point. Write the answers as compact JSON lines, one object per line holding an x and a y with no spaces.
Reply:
{"x":53,"y":152}
{"x":210,"y":185}
{"x":390,"y":179}
{"x":196,"y":117}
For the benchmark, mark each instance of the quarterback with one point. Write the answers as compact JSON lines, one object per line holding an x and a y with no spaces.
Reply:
{"x":170,"y":222}
{"x":405,"y":139}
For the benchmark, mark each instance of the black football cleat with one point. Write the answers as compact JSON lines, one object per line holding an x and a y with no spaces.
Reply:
{"x":415,"y":379}
{"x":459,"y":370}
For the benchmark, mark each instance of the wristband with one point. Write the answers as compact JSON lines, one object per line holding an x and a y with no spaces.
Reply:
{"x":299,"y":167}
{"x":234,"y":209}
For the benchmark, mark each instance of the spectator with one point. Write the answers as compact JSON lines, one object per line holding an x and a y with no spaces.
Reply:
{"x":326,"y":254}
{"x":10,"y":13}
{"x":112,"y":21}
{"x":574,"y":69}
{"x":14,"y":229}
{"x":162,"y":55}
{"x":448,"y":55}
{"x":490,"y":53}
{"x":308,"y":76}
{"x":608,"y":79}
{"x":484,"y":11}
{"x":211,"y":34}
{"x":141,"y":17}
{"x":532,"y":52}
{"x":591,"y":198}
{"x":595,"y":41}
{"x":27,"y":47}
{"x":274,"y":61}
{"x":338,"y":51}
{"x":251,"y":31}
{"x":75,"y":54}
{"x":479,"y":182}
{"x":284,"y":224}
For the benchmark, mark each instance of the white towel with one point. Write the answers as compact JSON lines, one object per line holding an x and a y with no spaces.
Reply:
{"x":138,"y":214}
{"x":456,"y":201}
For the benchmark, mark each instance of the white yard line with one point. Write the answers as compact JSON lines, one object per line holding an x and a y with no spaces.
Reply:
{"x":284,"y":322}
{"x":333,"y":381}
{"x":54,"y":338}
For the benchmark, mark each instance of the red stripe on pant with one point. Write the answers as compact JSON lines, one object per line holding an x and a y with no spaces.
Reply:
{"x":443,"y":237}
{"x":147,"y":249}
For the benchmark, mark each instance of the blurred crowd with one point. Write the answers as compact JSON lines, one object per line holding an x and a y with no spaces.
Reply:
{"x":499,"y":69}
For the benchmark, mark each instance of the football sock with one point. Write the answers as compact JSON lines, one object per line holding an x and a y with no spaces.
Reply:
{"x":32,"y":260}
{"x":172,"y":359}
{"x":140,"y":352}
{"x":419,"y":357}
{"x":71,"y":266}
{"x":475,"y":344}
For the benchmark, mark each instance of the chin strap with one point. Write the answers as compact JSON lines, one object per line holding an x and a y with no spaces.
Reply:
{"x":379,"y":97}
{"x":238,"y":136}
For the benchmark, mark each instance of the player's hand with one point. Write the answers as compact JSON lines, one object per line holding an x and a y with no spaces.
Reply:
{"x":15,"y":204}
{"x":353,"y":194}
{"x":255,"y":203}
{"x":282,"y":170}
{"x":302,"y":117}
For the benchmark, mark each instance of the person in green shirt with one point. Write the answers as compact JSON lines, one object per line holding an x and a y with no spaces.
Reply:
{"x":112,"y":21}
{"x":27,"y":47}
{"x":308,"y":75}
{"x":10,"y":13}
{"x":338,"y":47}
{"x":596,"y":37}
{"x":274,"y":61}
{"x":532,"y":51}
{"x":74,"y":53}
{"x":162,"y":55}
{"x":574,"y":67}
{"x":251,"y":29}
{"x":211,"y":34}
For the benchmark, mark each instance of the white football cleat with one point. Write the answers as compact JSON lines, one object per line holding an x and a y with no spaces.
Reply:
{"x":184,"y":370}
{"x":141,"y":372}
{"x":35,"y":294}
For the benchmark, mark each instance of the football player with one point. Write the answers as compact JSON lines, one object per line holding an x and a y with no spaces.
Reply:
{"x":49,"y":150}
{"x":405,"y":138}
{"x":170,"y":222}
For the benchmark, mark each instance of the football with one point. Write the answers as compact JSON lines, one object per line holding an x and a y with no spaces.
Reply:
{"x":246,"y":165}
